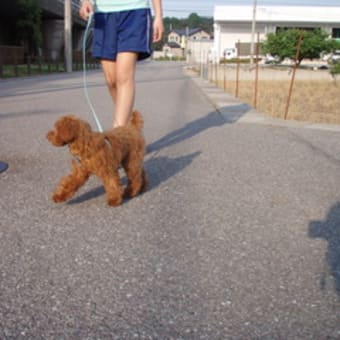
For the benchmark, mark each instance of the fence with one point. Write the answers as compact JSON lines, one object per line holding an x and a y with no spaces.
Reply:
{"x":308,"y":92}
{"x":14,"y":63}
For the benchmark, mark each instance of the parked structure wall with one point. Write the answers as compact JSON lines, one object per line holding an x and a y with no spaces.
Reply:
{"x":233,"y":24}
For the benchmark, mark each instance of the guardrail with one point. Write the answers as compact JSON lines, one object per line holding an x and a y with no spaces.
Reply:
{"x":13,"y":63}
{"x":281,"y":91}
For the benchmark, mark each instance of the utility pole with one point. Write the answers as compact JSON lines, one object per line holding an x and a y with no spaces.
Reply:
{"x":68,"y":35}
{"x":252,"y":46}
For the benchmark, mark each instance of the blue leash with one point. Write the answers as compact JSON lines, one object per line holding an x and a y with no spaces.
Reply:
{"x":89,"y":21}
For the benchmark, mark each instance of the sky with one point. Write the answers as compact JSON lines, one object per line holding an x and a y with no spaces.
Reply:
{"x":183,"y":8}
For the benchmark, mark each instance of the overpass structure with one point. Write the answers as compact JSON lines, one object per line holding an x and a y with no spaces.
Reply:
{"x":53,"y":26}
{"x":54,"y":9}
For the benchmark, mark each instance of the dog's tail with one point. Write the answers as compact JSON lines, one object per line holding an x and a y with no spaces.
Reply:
{"x":137,"y":120}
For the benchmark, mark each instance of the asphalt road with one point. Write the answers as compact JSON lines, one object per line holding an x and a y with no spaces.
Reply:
{"x":238,"y":236}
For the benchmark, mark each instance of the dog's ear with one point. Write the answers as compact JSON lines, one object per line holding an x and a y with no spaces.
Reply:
{"x":67,"y":129}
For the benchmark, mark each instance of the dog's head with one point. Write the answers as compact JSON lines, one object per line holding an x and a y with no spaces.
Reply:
{"x":67,"y":129}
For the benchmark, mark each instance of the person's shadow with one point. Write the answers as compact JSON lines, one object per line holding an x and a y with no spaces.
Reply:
{"x":329,"y":230}
{"x":228,"y":115}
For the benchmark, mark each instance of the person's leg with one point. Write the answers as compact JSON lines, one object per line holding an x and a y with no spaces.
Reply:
{"x":125,"y":87}
{"x":120,"y":80}
{"x":109,"y":69}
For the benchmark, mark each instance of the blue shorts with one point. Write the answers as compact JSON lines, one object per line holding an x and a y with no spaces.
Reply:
{"x":125,"y":31}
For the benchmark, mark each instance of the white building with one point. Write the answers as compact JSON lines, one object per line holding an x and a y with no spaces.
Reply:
{"x":240,"y":26}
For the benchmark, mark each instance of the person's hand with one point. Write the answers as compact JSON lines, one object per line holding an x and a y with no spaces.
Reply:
{"x":86,"y":8}
{"x":158,"y":29}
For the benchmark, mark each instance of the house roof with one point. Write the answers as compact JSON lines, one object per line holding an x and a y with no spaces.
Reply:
{"x":189,"y":31}
{"x":322,"y":14}
{"x":173,"y":44}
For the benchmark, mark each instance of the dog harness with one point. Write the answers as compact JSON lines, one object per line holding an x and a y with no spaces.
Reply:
{"x":106,"y":140}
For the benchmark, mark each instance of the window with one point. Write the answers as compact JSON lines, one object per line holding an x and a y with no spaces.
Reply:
{"x":336,"y":33}
{"x":278,"y":29}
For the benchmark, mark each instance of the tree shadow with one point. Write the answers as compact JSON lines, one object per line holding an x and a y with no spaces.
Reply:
{"x":158,"y":170}
{"x":329,"y":230}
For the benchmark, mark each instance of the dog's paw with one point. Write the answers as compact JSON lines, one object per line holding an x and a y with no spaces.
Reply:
{"x":57,"y":198}
{"x":113,"y":202}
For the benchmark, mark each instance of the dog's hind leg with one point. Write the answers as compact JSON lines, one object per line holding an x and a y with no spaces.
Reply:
{"x":113,"y":188}
{"x":137,"y":181}
{"x":68,"y":185}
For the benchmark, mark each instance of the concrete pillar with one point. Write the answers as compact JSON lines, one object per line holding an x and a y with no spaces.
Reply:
{"x":217,"y":53}
{"x":53,"y":33}
{"x":68,"y":35}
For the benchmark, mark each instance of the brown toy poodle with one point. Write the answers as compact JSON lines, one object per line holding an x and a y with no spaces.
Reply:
{"x":101,"y":154}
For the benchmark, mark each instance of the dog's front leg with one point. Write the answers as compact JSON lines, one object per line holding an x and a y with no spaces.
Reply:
{"x":68,"y":185}
{"x":113,"y":188}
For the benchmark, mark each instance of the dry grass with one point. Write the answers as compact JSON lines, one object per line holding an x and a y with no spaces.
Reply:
{"x":312,"y":100}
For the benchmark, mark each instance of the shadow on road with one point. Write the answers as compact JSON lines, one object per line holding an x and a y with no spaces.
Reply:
{"x":329,"y":230}
{"x":158,"y":169}
{"x":213,"y":119}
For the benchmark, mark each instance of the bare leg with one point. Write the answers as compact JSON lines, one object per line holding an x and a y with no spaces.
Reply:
{"x":126,"y":68}
{"x":120,"y":79}
{"x":109,"y":68}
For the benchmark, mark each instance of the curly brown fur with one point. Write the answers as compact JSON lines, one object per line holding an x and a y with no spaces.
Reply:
{"x":101,"y":154}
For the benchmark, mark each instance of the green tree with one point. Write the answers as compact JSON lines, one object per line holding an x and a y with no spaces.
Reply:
{"x":284,"y":44}
{"x":194,"y":20}
{"x":29,"y":25}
